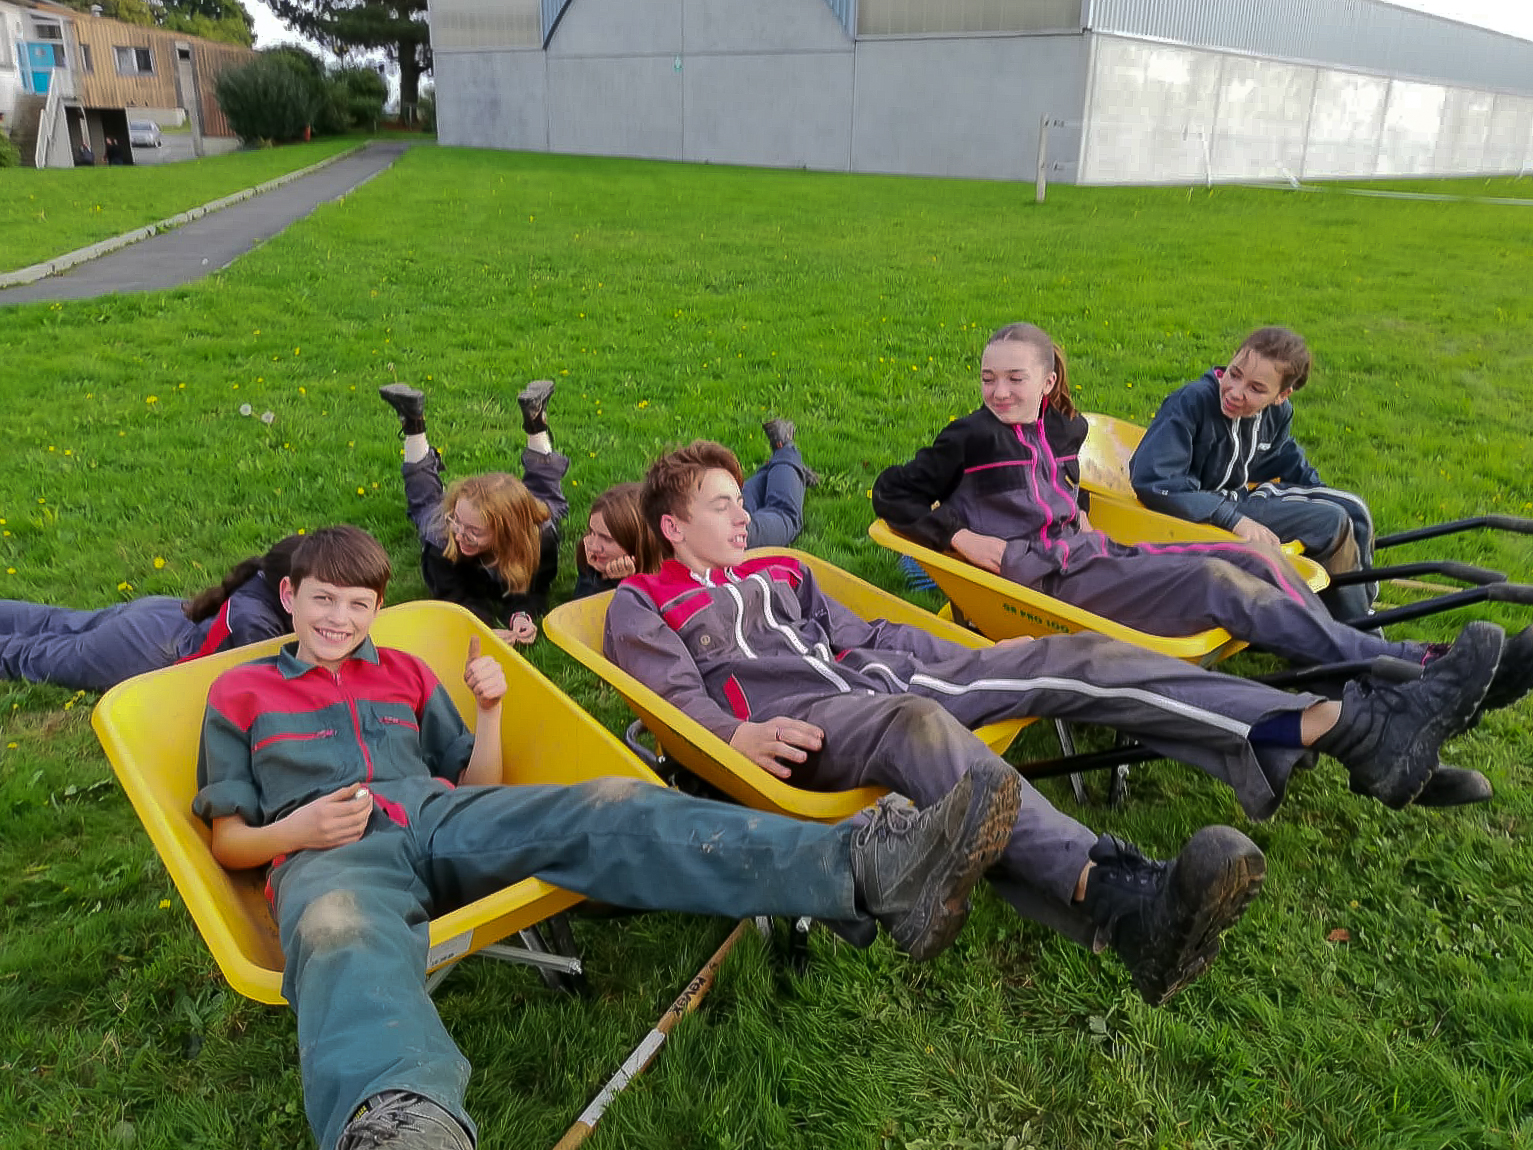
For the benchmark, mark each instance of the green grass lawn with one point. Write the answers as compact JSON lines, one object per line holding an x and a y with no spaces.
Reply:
{"x":56,"y":210}
{"x":671,"y":302}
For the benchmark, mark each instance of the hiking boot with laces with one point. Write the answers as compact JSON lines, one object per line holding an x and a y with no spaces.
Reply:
{"x":913,"y":869}
{"x":534,"y":404}
{"x":398,"y":1120}
{"x":1164,"y":919}
{"x":409,"y":404}
{"x":1388,"y":734}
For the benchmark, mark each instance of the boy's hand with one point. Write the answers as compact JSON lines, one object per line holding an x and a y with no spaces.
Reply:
{"x":767,"y":744}
{"x":1253,"y":532}
{"x":984,"y":551}
{"x":484,"y":676}
{"x":332,"y":820}
{"x":619,"y":568}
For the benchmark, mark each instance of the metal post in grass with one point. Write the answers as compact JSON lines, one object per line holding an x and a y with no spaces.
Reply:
{"x":1041,"y":185}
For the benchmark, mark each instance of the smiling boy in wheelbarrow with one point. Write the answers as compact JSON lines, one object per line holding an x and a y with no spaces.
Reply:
{"x":335,"y":762}
{"x":811,"y":692}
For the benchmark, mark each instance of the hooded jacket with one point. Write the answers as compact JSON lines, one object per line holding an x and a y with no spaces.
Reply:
{"x":1196,"y":463}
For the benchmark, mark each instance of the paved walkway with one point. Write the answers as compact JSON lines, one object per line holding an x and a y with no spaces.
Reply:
{"x":206,"y":245}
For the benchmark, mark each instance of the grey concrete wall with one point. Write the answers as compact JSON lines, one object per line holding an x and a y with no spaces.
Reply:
{"x":966,"y":106}
{"x":776,"y":83}
{"x":492,"y":99}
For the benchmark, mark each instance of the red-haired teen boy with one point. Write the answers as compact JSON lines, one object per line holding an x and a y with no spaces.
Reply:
{"x":345,"y":768}
{"x":755,"y":652}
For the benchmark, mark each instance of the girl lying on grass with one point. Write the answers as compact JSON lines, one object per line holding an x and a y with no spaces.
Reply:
{"x":488,"y":542}
{"x":619,"y":544}
{"x":95,"y":650}
{"x":1006,"y":481}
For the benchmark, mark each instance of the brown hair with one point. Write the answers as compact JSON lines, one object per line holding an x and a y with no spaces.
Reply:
{"x":343,"y":555}
{"x":1286,"y":349}
{"x":515,"y":517}
{"x":273,"y":565}
{"x":674,"y":478}
{"x":620,"y":511}
{"x":1040,"y":340}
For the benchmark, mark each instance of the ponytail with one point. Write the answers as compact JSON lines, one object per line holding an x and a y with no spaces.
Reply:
{"x":274,"y":566}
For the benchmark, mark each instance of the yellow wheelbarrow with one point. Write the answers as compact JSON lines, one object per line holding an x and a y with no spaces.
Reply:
{"x":151,"y":726}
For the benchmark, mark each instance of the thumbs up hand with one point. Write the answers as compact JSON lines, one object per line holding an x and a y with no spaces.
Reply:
{"x":484,"y":677}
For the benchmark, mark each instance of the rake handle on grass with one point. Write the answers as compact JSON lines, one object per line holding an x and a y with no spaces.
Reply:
{"x":645,"y":1052}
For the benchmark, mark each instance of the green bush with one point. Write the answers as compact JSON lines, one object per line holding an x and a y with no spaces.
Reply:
{"x":426,"y":108}
{"x":364,"y":93}
{"x":266,"y":99}
{"x":10,"y":155}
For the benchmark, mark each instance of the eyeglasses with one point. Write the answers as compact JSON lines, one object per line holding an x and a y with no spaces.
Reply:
{"x":470,"y":534}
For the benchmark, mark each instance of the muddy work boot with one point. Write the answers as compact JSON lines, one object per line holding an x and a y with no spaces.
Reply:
{"x":1455,"y":787}
{"x":401,"y":1121}
{"x":1164,"y":919}
{"x":913,"y":870}
{"x":534,"y":404}
{"x":1389,"y":734}
{"x":1514,"y":674}
{"x":409,"y":404}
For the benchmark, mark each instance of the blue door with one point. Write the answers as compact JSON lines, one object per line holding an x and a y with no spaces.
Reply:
{"x":40,"y":63}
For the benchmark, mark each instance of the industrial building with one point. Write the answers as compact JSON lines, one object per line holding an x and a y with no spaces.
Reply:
{"x":1137,"y":91}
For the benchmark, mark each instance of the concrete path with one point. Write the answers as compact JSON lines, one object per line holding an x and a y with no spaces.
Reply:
{"x":203,"y":246}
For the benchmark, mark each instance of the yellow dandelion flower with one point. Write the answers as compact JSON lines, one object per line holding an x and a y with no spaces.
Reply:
{"x":10,"y":570}
{"x":158,"y":562}
{"x":42,"y":501}
{"x":152,"y":399}
{"x":165,"y":904}
{"x":256,"y":332}
{"x":296,"y":350}
{"x":643,"y":403}
{"x":361,"y":491}
{"x":303,"y":391}
{"x":125,"y":586}
{"x":12,"y":746}
{"x":68,"y":451}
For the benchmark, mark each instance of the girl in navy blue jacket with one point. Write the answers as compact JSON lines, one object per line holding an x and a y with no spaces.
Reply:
{"x":94,"y":650}
{"x":1006,"y":484}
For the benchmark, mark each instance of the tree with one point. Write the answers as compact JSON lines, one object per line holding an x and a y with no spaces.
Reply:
{"x":397,"y":27}
{"x":222,"y":20}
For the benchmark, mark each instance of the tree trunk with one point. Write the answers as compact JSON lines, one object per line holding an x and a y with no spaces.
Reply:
{"x":409,"y":82}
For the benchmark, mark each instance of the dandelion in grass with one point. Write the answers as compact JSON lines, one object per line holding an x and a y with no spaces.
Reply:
{"x":125,"y":586}
{"x":165,"y":904}
{"x":159,"y":563}
{"x":153,"y":399}
{"x":12,"y":746}
{"x":11,"y":571}
{"x":246,"y":409}
{"x":361,"y":491}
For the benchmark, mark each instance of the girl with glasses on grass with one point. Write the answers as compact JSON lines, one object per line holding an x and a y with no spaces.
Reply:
{"x":95,"y":650}
{"x":488,"y":542}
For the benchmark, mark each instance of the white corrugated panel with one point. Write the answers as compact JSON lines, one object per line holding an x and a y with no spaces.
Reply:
{"x":1362,"y":34}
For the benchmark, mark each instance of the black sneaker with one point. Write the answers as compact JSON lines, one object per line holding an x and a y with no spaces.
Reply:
{"x":409,"y":404}
{"x":913,"y":870}
{"x":1164,"y":918}
{"x":811,"y":476}
{"x":779,"y":432}
{"x":403,"y":1121}
{"x":1455,"y":787}
{"x":534,"y":404}
{"x":1389,"y":734}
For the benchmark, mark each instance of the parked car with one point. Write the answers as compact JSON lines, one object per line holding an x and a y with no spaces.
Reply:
{"x":144,"y":134}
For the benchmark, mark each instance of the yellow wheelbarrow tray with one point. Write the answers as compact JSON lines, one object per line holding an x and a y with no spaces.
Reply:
{"x":151,"y":726}
{"x":578,"y":627}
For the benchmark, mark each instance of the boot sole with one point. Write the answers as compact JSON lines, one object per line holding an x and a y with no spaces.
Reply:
{"x":1420,"y":758}
{"x":1224,"y":886}
{"x":939,"y":914}
{"x":395,"y":394}
{"x":1514,"y":674}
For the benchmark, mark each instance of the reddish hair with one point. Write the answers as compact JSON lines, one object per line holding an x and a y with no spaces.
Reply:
{"x":1040,"y":340}
{"x":674,"y":478}
{"x":514,"y":518}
